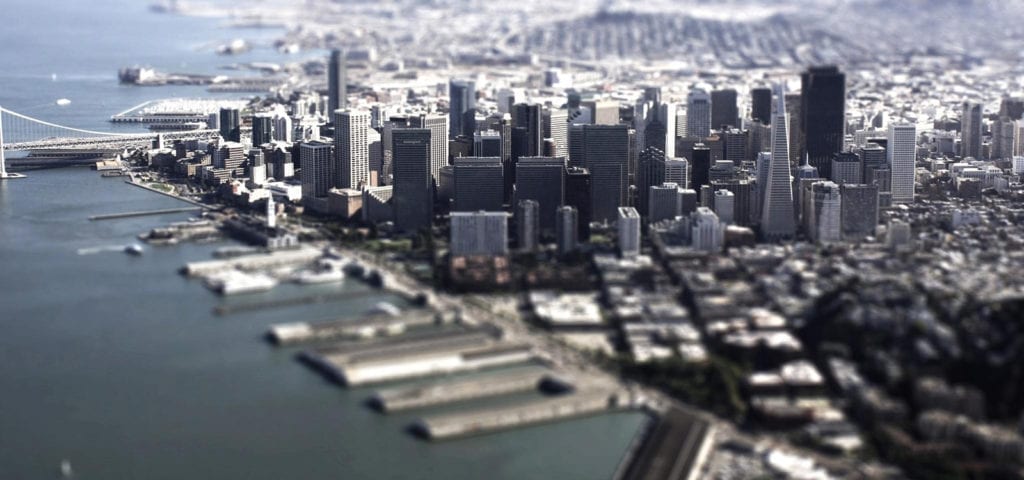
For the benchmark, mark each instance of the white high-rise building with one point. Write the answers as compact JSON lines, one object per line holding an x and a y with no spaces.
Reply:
{"x":283,"y":130}
{"x":777,"y":217}
{"x":566,"y":229}
{"x":725,"y":206}
{"x":698,"y":114}
{"x":1018,"y":165}
{"x":479,"y":233}
{"x":271,"y":212}
{"x":902,"y":152}
{"x":352,"y":148}
{"x":628,"y":225}
{"x":706,"y":232}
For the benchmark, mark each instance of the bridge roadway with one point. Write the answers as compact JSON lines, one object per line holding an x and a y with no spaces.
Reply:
{"x":113,"y":140}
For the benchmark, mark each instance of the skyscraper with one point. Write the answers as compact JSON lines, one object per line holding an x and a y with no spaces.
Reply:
{"x":665,"y":202}
{"x":650,"y":173}
{"x":700,"y":166}
{"x":337,"y":89}
{"x":970,"y":132}
{"x":777,"y":214}
{"x":352,"y":148}
{"x":527,"y":225}
{"x":318,"y":169}
{"x":725,"y":206}
{"x":556,"y":127}
{"x":577,"y":195}
{"x":823,"y":121}
{"x":823,"y":212}
{"x":761,"y":105}
{"x":628,"y":226}
{"x":698,"y":114}
{"x":724,"y":110}
{"x":262,"y":129}
{"x":531,"y":118}
{"x":859,"y":211}
{"x":542,"y":179}
{"x":461,"y":108}
{"x":566,"y":229}
{"x":230,"y":124}
{"x":438,"y":126}
{"x":846,"y":168}
{"x":606,"y":151}
{"x":413,"y":195}
{"x":902,"y":161}
{"x":706,"y":232}
{"x":479,"y":184}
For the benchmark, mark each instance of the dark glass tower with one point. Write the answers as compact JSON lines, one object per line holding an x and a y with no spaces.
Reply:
{"x":723,"y":109}
{"x":337,"y":93}
{"x":761,"y":105}
{"x":462,"y":108}
{"x":230,"y":125}
{"x":823,"y":115}
{"x":413,"y":196}
{"x":577,"y":194}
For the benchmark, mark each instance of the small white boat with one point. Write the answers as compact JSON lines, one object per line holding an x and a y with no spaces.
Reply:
{"x":134,"y":249}
{"x":325,"y":276}
{"x":63,"y":102}
{"x":65,"y":469}
{"x":386,"y":308}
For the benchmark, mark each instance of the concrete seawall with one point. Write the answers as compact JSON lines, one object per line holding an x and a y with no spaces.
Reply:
{"x":452,"y":391}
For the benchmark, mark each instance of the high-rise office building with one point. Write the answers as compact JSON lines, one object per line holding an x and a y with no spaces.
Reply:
{"x":823,"y":102}
{"x":352,"y":148}
{"x":706,"y":232}
{"x":700,"y":166}
{"x":628,"y":226}
{"x":777,"y":212}
{"x":337,"y":88}
{"x":650,"y":172}
{"x":859,"y":211}
{"x":970,"y":130}
{"x":413,"y":195}
{"x":487,"y":144}
{"x":794,"y":110}
{"x":556,"y":127}
{"x":230,"y":124}
{"x":577,"y":195}
{"x":677,"y":171}
{"x":283,"y":130}
{"x":461,"y":108}
{"x":734,"y":143}
{"x":847,"y":168}
{"x":698,"y":114}
{"x":566,"y":229}
{"x":823,"y":212}
{"x":902,"y":161}
{"x":479,"y":184}
{"x":724,"y":109}
{"x":479,"y":233}
{"x":872,"y":157}
{"x":527,"y":225}
{"x":665,"y":202}
{"x":531,"y":118}
{"x":744,"y":210}
{"x":262,"y":129}
{"x":606,"y":152}
{"x":318,"y":169}
{"x":761,"y":105}
{"x":542,"y":179}
{"x":575,"y":148}
{"x":438,"y":126}
{"x":725,"y":206}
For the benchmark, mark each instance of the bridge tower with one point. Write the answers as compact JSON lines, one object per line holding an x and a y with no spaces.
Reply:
{"x":4,"y":174}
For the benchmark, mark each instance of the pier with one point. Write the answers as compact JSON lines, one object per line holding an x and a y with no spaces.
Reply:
{"x":672,"y":446}
{"x":452,"y":391}
{"x":442,"y":353}
{"x":443,"y":427}
{"x":253,"y":262}
{"x":143,"y":213}
{"x":377,"y":325}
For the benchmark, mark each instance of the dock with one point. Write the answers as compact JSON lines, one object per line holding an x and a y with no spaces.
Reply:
{"x":423,"y":356}
{"x":371,"y":326}
{"x":561,"y":407}
{"x":673,"y":446}
{"x":276,"y":258}
{"x":143,"y":213}
{"x":460,"y":390}
{"x":288,"y":302}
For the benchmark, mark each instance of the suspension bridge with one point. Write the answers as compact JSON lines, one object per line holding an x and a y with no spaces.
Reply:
{"x":19,"y":132}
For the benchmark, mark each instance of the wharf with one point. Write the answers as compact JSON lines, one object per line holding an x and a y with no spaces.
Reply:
{"x":288,"y":302}
{"x":672,"y":447}
{"x":251,"y":262}
{"x":376,"y":362}
{"x":487,"y":420}
{"x":143,"y":213}
{"x":377,"y":325}
{"x":451,"y":391}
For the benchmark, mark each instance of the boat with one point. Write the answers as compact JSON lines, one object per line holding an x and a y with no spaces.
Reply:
{"x":65,"y":469}
{"x":386,"y":308}
{"x":309,"y":277}
{"x":133,"y":249}
{"x":63,"y":102}
{"x":233,"y":282}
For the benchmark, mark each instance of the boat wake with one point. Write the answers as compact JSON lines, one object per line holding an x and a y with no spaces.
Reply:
{"x":100,"y":249}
